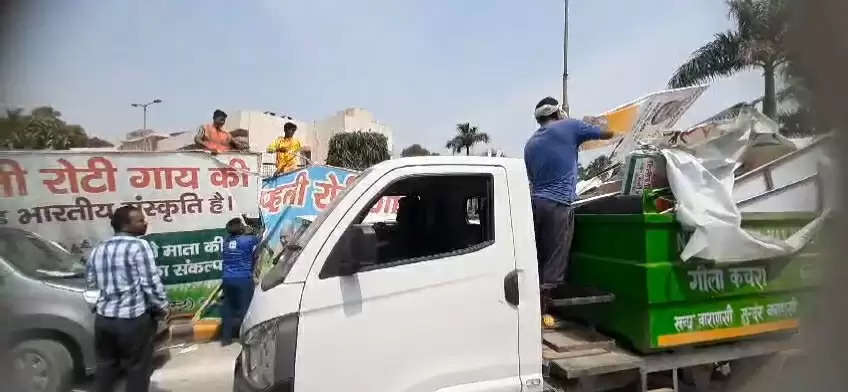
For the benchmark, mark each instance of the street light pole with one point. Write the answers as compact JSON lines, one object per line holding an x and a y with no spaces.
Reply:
{"x":565,"y":63}
{"x":144,"y":108}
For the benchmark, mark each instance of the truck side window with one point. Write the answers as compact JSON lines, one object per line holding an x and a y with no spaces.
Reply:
{"x":429,"y":217}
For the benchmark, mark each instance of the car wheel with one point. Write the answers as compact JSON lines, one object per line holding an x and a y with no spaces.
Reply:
{"x":42,"y":366}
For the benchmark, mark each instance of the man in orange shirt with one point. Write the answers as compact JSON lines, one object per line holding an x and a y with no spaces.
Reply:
{"x":214,"y":138}
{"x":287,"y":149}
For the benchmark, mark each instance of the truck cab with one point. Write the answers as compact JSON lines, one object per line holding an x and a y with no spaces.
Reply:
{"x":444,"y":296}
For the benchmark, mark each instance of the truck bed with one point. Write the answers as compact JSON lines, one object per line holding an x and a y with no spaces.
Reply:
{"x":591,"y":365}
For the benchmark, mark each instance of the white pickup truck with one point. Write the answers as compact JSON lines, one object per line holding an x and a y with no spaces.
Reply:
{"x":445,"y":297}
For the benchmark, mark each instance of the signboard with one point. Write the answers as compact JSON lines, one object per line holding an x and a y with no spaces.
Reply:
{"x":187,"y":197}
{"x":291,"y":201}
{"x":645,"y":118}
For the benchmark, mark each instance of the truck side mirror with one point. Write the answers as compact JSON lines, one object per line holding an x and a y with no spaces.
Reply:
{"x":356,"y":247}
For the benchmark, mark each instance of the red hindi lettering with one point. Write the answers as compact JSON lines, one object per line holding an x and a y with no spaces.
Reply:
{"x":386,"y":205}
{"x":271,"y":200}
{"x":377,"y":206}
{"x":182,"y":173}
{"x":296,"y":191}
{"x":395,"y":203}
{"x":229,"y":176}
{"x":291,"y":194}
{"x":67,"y":173}
{"x":327,"y":191}
{"x":10,"y":170}
{"x":97,"y":167}
{"x":143,"y":176}
{"x":350,"y":180}
{"x":164,"y":177}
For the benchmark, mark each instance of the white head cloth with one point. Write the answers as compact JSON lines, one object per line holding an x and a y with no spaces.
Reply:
{"x":546,"y":110}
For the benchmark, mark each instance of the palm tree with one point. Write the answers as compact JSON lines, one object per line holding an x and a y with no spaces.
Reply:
{"x":757,"y":43}
{"x":467,"y":136}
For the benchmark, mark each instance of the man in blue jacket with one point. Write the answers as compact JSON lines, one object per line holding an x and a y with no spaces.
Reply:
{"x":237,"y":254}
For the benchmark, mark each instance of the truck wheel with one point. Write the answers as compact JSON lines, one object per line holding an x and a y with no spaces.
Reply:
{"x":42,"y":366}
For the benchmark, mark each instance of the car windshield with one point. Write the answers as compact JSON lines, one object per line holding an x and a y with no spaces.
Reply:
{"x":39,"y":258}
{"x":277,"y":274}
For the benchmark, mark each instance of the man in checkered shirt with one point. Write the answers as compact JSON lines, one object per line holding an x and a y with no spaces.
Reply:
{"x":132,"y":300}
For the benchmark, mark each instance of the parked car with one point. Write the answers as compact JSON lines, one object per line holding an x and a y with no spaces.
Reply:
{"x":50,"y":323}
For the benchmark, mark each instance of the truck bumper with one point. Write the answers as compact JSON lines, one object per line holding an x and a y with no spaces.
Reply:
{"x":239,"y":383}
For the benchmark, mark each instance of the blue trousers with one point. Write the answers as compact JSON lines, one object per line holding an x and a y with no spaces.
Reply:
{"x":237,"y":295}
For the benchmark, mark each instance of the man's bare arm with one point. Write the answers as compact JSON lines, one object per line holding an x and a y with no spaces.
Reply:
{"x":238,"y":145}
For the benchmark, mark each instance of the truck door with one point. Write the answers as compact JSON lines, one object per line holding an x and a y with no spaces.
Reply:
{"x":435,"y":309}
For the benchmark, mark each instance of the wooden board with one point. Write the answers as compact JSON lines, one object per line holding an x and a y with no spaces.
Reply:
{"x":576,"y":339}
{"x":619,"y":360}
{"x":613,"y":361}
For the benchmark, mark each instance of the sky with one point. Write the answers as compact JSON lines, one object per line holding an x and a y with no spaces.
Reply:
{"x":419,"y":66}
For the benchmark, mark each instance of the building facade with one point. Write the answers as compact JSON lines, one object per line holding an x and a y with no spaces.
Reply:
{"x":264,"y":127}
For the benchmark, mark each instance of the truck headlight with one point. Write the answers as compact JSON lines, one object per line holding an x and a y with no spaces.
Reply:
{"x":268,"y":353}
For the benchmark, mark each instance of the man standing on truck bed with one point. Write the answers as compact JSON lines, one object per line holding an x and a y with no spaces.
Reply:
{"x":214,"y":138}
{"x":551,"y":159}
{"x":286,"y":148}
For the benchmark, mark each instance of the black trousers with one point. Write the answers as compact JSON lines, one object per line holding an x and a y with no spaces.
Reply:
{"x":237,"y":295}
{"x":554,"y":225}
{"x":124,"y":345}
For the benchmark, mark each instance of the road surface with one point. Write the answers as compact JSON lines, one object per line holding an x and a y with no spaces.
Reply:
{"x":206,"y":367}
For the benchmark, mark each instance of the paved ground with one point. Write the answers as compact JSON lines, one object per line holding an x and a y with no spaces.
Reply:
{"x":204,"y":367}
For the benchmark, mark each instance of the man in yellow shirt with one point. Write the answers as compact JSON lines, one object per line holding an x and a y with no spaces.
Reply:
{"x":287,"y":149}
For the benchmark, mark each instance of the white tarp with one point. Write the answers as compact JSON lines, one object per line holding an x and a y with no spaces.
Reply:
{"x":701,"y":178}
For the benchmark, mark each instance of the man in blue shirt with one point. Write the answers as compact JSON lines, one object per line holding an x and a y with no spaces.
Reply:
{"x":237,"y":253}
{"x":551,"y":159}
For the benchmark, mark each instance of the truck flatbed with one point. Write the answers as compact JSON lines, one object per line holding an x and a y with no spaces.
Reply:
{"x":586,"y":369}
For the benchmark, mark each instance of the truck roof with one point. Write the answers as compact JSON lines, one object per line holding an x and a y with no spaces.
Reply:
{"x":510,"y":163}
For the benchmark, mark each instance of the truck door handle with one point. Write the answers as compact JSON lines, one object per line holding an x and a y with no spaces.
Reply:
{"x":511,"y":287}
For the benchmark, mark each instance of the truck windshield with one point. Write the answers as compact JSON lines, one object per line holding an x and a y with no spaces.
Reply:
{"x":277,"y":274}
{"x":38,"y":258}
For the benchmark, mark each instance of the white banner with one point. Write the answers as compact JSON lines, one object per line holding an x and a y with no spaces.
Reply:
{"x":68,"y":197}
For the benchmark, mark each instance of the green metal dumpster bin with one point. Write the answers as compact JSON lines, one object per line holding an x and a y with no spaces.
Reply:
{"x":662,"y":302}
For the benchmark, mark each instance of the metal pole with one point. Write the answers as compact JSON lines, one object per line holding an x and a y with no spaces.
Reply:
{"x":145,"y":117}
{"x":565,"y":63}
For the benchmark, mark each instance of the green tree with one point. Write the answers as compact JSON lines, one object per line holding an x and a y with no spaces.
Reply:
{"x":357,"y":150}
{"x":467,"y":136}
{"x":97,"y":142}
{"x":596,"y":166}
{"x":800,"y":117}
{"x":416,"y":150}
{"x":41,"y":129}
{"x":757,"y":42}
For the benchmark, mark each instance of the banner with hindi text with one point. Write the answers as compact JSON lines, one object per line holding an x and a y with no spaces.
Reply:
{"x":289,"y":202}
{"x":645,"y":118}
{"x":187,"y":197}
